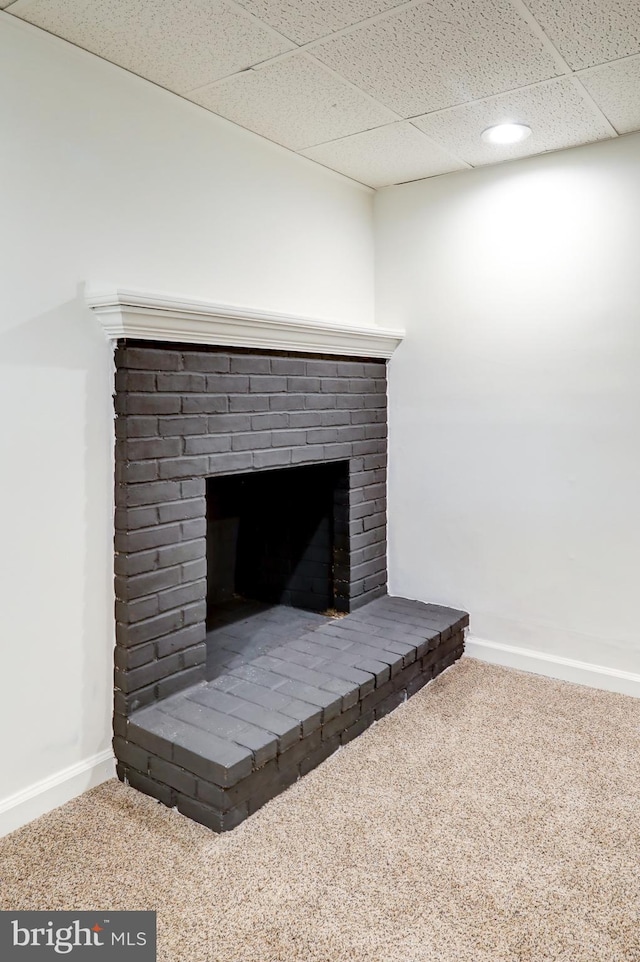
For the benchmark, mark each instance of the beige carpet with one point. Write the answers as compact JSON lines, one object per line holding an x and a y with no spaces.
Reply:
{"x":495,"y":816}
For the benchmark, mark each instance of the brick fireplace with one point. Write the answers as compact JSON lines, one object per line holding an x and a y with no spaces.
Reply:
{"x":254,"y":634}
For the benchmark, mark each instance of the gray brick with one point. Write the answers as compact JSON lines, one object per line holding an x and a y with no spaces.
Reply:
{"x":149,"y":786}
{"x":281,"y":725}
{"x":206,"y":362}
{"x":194,"y":570}
{"x":230,"y":463}
{"x":339,"y":724}
{"x":163,"y":557}
{"x":302,"y":385}
{"x":286,"y":402}
{"x":195,"y":613}
{"x":351,"y":433}
{"x":320,"y":402}
{"x":128,"y":612}
{"x":150,"y":629}
{"x":136,"y":427}
{"x":267,"y":422}
{"x":336,"y":418}
{"x":139,"y":449}
{"x":307,"y":454}
{"x":309,"y":718}
{"x":136,"y":471}
{"x":173,"y":775}
{"x":131,"y":754}
{"x":287,"y":366}
{"x":210,"y":817}
{"x":321,"y":435}
{"x":180,"y":680}
{"x":338,"y":451}
{"x":249,"y":403}
{"x":207,"y":445}
{"x":321,"y":368}
{"x":183,"y":467}
{"x":150,"y":404}
{"x":368,"y":417}
{"x":205,"y":404}
{"x":267,"y":385}
{"x":128,"y":681}
{"x":320,"y":755}
{"x":125,"y":704}
{"x":361,"y":725}
{"x":119,"y":726}
{"x":350,"y":401}
{"x":182,"y":426}
{"x":251,"y":442}
{"x":128,"y":519}
{"x":351,"y":369}
{"x":126,"y":658}
{"x":155,"y":731}
{"x":286,"y":439}
{"x":375,"y":431}
{"x":390,"y":703}
{"x":227,"y":383}
{"x":184,"y":595}
{"x":262,"y":743}
{"x":309,"y":676}
{"x":271,"y":458}
{"x":278,"y":783}
{"x":181,"y":639}
{"x":251,"y":364}
{"x":143,"y":539}
{"x":128,"y":589}
{"x":140,"y":381}
{"x":195,"y":488}
{"x":356,"y":675}
{"x":182,"y":510}
{"x":257,"y":676}
{"x":301,"y":712}
{"x":196,"y":656}
{"x":215,"y":760}
{"x":372,"y":461}
{"x":229,"y":423}
{"x":148,"y":359}
{"x":370,"y":537}
{"x":182,"y":382}
{"x":305,"y":419}
{"x":290,"y":760}
{"x":377,"y":565}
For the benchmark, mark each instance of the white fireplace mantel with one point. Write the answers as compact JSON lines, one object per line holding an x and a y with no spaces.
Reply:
{"x":160,"y":317}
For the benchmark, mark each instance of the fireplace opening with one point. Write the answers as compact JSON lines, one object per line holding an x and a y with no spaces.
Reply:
{"x":277,"y":557}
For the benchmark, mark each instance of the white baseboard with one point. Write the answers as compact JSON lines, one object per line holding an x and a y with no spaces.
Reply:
{"x":41,"y":797}
{"x":554,"y":666}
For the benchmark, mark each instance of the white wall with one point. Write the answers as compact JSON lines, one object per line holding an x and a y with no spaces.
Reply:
{"x":515,"y":398}
{"x":109,"y":181}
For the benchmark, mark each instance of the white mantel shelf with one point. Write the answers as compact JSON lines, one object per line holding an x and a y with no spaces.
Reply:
{"x":159,"y":317}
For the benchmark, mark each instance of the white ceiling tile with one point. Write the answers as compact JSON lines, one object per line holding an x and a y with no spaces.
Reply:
{"x":388,"y":155}
{"x":615,"y":87}
{"x":180,"y":44}
{"x":440,"y":53}
{"x":294,"y":101}
{"x":306,"y":20}
{"x":589,"y":32}
{"x":556,"y":112}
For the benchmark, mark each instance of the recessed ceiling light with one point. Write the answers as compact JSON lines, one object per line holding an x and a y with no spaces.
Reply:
{"x":506,"y":134}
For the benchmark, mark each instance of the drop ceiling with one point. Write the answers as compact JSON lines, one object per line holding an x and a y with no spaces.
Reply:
{"x":381,"y":91}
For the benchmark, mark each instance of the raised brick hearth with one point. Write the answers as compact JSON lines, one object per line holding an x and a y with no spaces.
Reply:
{"x":216,"y":723}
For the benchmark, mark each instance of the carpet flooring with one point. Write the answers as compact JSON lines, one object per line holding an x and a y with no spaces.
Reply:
{"x":495,"y":817}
